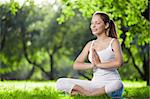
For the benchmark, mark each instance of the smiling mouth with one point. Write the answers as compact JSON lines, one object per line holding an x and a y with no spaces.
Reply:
{"x":94,"y":30}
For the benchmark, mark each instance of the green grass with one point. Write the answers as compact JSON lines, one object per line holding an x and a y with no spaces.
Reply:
{"x":46,"y":90}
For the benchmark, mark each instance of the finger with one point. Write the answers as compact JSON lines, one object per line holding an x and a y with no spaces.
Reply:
{"x":92,"y":49}
{"x":97,"y":58}
{"x":96,"y":55}
{"x":94,"y":52}
{"x":93,"y":60}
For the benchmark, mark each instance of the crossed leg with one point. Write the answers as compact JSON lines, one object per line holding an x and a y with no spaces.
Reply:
{"x":73,"y":86}
{"x":99,"y":89}
{"x":84,"y":87}
{"x":79,"y":90}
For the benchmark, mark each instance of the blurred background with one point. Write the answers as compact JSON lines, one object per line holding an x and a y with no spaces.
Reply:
{"x":40,"y":39}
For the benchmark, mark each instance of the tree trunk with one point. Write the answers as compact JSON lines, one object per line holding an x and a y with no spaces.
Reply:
{"x":30,"y":73}
{"x":2,"y":40}
{"x":146,"y":67}
{"x":25,"y":51}
{"x":136,"y":67}
{"x":51,"y":67}
{"x":51,"y":59}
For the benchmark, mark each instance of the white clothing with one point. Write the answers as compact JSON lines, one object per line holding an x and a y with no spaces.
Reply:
{"x":106,"y":55}
{"x":67,"y":84}
{"x":108,"y":78}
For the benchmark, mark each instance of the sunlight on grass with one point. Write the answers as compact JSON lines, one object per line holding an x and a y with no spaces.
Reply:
{"x":26,"y":85}
{"x":135,"y":84}
{"x":136,"y":90}
{"x":47,"y":90}
{"x":30,"y":90}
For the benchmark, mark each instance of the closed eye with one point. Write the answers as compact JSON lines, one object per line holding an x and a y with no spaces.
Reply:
{"x":95,"y":23}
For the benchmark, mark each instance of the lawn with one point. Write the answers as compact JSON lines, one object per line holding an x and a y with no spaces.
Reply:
{"x":46,"y":90}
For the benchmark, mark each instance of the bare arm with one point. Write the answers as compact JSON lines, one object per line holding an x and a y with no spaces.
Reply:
{"x":118,"y":61}
{"x":79,"y":63}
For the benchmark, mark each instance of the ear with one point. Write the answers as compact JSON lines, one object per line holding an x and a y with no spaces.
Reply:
{"x":107,"y":25}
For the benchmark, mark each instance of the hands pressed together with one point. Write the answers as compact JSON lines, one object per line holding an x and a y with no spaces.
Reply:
{"x":95,"y":58}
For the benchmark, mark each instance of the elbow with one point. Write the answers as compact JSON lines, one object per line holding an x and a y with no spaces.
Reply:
{"x":122,"y":63}
{"x":119,"y":63}
{"x":75,"y":66}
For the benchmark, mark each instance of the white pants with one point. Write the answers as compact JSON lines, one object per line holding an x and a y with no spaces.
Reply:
{"x":67,"y":84}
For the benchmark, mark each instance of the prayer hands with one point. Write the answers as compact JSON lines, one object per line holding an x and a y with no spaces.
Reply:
{"x":95,"y":58}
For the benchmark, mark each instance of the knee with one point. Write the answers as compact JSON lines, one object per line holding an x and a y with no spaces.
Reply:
{"x":118,"y":84}
{"x":61,"y":82}
{"x":115,"y":90}
{"x":114,"y":86}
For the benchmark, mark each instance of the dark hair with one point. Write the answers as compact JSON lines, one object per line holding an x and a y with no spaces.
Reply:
{"x":111,"y":29}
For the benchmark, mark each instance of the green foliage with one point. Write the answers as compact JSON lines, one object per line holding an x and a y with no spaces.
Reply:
{"x":128,"y":12}
{"x":43,"y":37}
{"x":64,"y":32}
{"x":136,"y":90}
{"x":47,"y":90}
{"x":11,"y":45}
{"x":132,"y":26}
{"x":14,"y":6}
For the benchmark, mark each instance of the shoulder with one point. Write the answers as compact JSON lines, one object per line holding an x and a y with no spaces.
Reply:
{"x":115,"y":42}
{"x":88,"y":44}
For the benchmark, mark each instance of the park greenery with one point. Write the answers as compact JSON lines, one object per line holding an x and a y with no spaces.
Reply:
{"x":46,"y":90}
{"x":40,"y":42}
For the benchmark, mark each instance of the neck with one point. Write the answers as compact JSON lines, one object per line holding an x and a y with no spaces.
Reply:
{"x":102,"y":37}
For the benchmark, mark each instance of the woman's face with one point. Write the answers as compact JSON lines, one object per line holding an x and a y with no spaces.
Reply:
{"x":97,"y":25}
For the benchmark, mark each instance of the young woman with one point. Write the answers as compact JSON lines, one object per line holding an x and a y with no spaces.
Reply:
{"x":105,"y":56}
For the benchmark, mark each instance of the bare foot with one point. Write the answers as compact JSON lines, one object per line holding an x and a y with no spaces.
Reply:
{"x":73,"y":93}
{"x":86,"y":93}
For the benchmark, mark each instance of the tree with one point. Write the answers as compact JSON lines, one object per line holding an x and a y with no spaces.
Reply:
{"x":32,"y":38}
{"x":132,"y":26}
{"x":9,"y":45}
{"x":39,"y":37}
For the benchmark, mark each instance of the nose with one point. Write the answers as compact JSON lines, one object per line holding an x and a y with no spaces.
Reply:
{"x":92,"y":25}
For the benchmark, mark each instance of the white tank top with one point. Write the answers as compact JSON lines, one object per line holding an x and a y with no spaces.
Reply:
{"x":105,"y":55}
